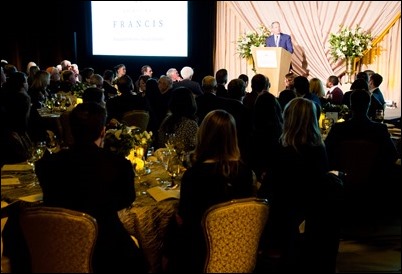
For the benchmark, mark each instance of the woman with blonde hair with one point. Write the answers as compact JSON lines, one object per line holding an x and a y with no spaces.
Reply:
{"x":217,"y":175}
{"x":317,"y":87}
{"x":293,"y":185}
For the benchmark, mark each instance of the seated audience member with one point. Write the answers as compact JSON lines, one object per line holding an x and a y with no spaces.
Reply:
{"x":174,"y":75}
{"x":98,"y":183}
{"x":377,"y":98}
{"x":15,"y":107}
{"x":359,"y":83}
{"x":293,"y":194}
{"x":217,"y":175}
{"x":289,"y":92}
{"x":187,"y":73}
{"x":362,"y":75}
{"x":221,"y":77}
{"x":245,"y":78}
{"x":302,"y":88}
{"x":110,"y":90}
{"x":267,"y":128}
{"x":259,"y":82}
{"x":181,"y":120}
{"x":360,"y":128}
{"x":128,"y":100}
{"x":317,"y":88}
{"x":335,"y":93}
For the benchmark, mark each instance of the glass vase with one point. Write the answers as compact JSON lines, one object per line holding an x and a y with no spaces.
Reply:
{"x":350,"y":69}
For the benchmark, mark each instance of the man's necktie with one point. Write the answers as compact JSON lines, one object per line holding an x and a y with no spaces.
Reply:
{"x":277,"y":40}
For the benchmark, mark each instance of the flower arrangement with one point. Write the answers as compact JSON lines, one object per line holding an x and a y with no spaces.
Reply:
{"x":122,"y":139}
{"x":119,"y":140}
{"x":349,"y":43}
{"x":78,"y":89}
{"x":342,"y":110}
{"x":252,"y":39}
{"x":143,"y":138}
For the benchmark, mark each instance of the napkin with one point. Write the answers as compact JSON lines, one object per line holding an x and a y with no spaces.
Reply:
{"x":17,"y":167}
{"x":32,"y":198}
{"x":9,"y":181}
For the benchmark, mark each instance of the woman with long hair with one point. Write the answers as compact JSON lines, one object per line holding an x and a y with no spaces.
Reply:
{"x":217,"y":175}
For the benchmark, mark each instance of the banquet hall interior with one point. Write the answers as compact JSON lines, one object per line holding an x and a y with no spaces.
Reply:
{"x":47,"y":36}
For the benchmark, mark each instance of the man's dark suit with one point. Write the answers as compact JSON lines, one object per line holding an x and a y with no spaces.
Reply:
{"x":95,"y":181}
{"x":285,"y":42}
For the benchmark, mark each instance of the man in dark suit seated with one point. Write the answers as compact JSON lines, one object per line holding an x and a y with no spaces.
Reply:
{"x":90,"y":179}
{"x":377,"y":174}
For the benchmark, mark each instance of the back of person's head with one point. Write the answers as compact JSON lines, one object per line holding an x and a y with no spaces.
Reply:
{"x":182,"y":103}
{"x":221,"y":76}
{"x":267,"y":116}
{"x":236,"y":89}
{"x":187,"y":73}
{"x":300,"y":124}
{"x":360,"y":101}
{"x":108,"y":75}
{"x":259,"y":82}
{"x":301,"y":85}
{"x":165,"y":83}
{"x":87,"y":122}
{"x":96,"y":80}
{"x":209,"y":84}
{"x":67,"y":76}
{"x":217,"y":138}
{"x":333,"y":79}
{"x":125,"y":84}
{"x":362,"y":75}
{"x":376,"y":79}
{"x":359,"y":83}
{"x":41,"y":80}
{"x":244,"y":77}
{"x":17,"y":81}
{"x":289,"y":78}
{"x":369,"y":72}
{"x":94,"y":95}
{"x":119,"y":66}
{"x":86,"y":73}
{"x":317,"y":87}
{"x":9,"y":68}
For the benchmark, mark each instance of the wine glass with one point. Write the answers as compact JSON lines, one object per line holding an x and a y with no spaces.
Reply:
{"x":174,"y":167}
{"x":170,"y":141}
{"x":52,"y":143}
{"x":35,"y":153}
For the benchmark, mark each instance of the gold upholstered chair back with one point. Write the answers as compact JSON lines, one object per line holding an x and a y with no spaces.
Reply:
{"x":59,"y":240}
{"x":233,"y":230}
{"x":138,"y":118}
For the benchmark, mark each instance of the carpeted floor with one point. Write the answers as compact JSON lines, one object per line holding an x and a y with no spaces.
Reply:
{"x":371,"y":248}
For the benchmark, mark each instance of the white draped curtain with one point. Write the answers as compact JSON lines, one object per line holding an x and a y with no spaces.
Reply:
{"x":310,"y":23}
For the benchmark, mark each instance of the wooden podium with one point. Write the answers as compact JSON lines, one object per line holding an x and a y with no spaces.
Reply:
{"x":273,"y":62}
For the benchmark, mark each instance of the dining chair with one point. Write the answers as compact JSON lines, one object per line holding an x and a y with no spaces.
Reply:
{"x":138,"y":118}
{"x":59,"y":240}
{"x":232,"y":231}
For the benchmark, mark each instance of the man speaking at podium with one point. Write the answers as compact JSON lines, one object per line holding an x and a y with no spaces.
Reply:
{"x":278,"y":39}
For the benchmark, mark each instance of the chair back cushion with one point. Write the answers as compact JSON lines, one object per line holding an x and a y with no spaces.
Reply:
{"x":233,"y":230}
{"x":138,"y":118}
{"x":58,"y":239}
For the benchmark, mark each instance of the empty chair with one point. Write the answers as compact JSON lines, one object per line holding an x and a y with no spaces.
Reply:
{"x":233,"y":230}
{"x":59,"y":240}
{"x":138,"y":118}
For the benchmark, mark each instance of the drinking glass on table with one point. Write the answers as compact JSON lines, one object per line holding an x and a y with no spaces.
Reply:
{"x":34,"y":154}
{"x":174,"y":167}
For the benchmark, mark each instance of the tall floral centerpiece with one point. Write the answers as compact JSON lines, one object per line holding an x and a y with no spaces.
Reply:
{"x":249,"y":40}
{"x":348,"y":44}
